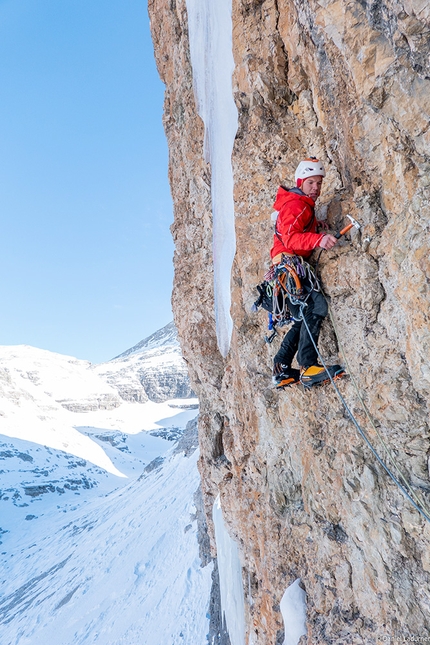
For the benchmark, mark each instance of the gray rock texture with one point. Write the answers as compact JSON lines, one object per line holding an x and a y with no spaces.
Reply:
{"x":301,"y":493}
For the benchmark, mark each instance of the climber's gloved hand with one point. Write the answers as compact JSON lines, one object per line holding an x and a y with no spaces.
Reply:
{"x":327,"y":242}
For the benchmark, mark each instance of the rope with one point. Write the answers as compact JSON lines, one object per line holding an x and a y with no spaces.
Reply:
{"x":418,"y":498}
{"x":362,"y":433}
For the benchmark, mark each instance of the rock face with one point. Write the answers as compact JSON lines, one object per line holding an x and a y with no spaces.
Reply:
{"x":301,"y":493}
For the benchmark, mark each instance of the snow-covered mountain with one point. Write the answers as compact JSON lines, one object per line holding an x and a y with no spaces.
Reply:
{"x":165,"y":337}
{"x":152,"y":370}
{"x":97,"y":519}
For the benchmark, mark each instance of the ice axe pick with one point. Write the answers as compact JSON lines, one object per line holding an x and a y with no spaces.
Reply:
{"x":348,"y":227}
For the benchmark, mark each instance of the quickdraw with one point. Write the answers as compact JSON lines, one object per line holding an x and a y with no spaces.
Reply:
{"x":282,"y":277}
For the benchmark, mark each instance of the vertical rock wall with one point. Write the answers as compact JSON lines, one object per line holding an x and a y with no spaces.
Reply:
{"x":349,"y":83}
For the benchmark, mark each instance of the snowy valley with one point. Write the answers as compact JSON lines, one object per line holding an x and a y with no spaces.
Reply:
{"x":98,"y":522}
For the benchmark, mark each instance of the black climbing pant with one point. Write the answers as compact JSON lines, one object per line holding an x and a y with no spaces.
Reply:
{"x":297,"y":338}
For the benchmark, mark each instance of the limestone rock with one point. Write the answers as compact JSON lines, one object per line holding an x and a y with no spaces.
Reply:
{"x":301,"y":493}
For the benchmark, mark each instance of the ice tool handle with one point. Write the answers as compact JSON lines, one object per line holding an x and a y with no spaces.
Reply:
{"x":353,"y":224}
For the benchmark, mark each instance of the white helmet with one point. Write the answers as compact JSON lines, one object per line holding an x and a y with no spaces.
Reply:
{"x":309,"y":168}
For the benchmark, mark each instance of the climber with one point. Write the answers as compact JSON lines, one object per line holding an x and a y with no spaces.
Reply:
{"x":296,"y":237}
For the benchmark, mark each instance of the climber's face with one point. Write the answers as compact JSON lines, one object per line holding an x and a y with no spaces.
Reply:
{"x":311,"y":186}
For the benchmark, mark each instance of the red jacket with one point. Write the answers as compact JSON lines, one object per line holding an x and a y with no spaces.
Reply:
{"x":296,"y":224}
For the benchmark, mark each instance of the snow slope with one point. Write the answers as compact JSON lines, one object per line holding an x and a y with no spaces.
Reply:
{"x":97,"y":518}
{"x":122,"y":570}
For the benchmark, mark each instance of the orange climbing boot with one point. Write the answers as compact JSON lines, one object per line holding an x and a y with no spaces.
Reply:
{"x":285,"y":376}
{"x":317,"y":375}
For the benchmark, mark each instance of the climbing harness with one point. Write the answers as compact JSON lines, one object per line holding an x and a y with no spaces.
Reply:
{"x":405,"y":488}
{"x":282,"y":283}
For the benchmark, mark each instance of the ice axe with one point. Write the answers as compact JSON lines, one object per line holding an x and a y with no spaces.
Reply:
{"x":348,"y":227}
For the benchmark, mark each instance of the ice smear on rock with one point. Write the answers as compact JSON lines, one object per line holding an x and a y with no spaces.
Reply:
{"x":293,"y":609}
{"x":210,"y":33}
{"x":230,"y":578}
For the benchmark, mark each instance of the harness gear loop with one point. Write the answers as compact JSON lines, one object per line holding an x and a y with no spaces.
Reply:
{"x":293,"y":274}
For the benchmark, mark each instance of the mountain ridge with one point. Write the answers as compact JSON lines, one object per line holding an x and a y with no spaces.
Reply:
{"x":167,"y":335}
{"x":151,"y":370}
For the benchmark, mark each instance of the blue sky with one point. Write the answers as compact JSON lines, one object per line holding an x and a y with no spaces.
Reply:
{"x":85,"y":206}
